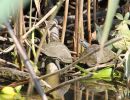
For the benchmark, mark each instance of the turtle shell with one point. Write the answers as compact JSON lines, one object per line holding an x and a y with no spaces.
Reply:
{"x":57,"y":50}
{"x":98,"y":57}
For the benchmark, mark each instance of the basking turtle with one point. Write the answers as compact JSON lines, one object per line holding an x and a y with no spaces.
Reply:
{"x":57,"y":50}
{"x":98,"y":57}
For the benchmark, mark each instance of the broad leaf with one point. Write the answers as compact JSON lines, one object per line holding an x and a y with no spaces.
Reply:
{"x":127,"y":16}
{"x":128,"y":22}
{"x":18,"y":88}
{"x":119,"y":16}
{"x":8,"y":90}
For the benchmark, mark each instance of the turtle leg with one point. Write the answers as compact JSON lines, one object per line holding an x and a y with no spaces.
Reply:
{"x":57,"y":62}
{"x":42,"y":67}
{"x":43,"y":63}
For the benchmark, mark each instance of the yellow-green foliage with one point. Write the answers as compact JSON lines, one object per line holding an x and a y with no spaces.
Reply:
{"x":10,"y":93}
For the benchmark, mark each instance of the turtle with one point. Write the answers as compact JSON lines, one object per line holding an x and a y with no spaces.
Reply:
{"x":57,"y":50}
{"x":98,"y":57}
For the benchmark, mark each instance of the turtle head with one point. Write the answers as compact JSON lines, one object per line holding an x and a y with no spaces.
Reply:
{"x":84,"y":43}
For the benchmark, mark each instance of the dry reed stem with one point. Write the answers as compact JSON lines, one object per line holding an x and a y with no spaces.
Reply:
{"x":106,"y":95}
{"x":86,"y":94}
{"x":37,"y":3}
{"x":94,"y":12}
{"x":40,"y":45}
{"x":89,"y":21}
{"x":92,"y":95}
{"x":81,"y":27}
{"x":76,"y":28}
{"x":75,"y":41}
{"x":65,"y":20}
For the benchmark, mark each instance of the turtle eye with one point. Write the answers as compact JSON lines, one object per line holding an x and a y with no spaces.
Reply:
{"x":84,"y":43}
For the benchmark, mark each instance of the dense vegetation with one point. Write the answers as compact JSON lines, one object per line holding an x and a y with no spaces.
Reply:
{"x":70,"y":50}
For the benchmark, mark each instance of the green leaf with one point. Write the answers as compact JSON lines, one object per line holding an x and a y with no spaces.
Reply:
{"x":119,"y":16}
{"x":123,"y":27}
{"x":18,"y":88}
{"x":8,"y":93}
{"x":127,"y":16}
{"x":6,"y":97}
{"x":8,"y":90}
{"x":122,"y":44}
{"x":104,"y":74}
{"x":128,"y":22}
{"x":11,"y":97}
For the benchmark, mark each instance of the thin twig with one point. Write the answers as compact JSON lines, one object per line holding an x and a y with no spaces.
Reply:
{"x":33,"y":18}
{"x":30,"y":15}
{"x":40,"y":45}
{"x":9,"y":63}
{"x":94,"y":12}
{"x":65,"y":21}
